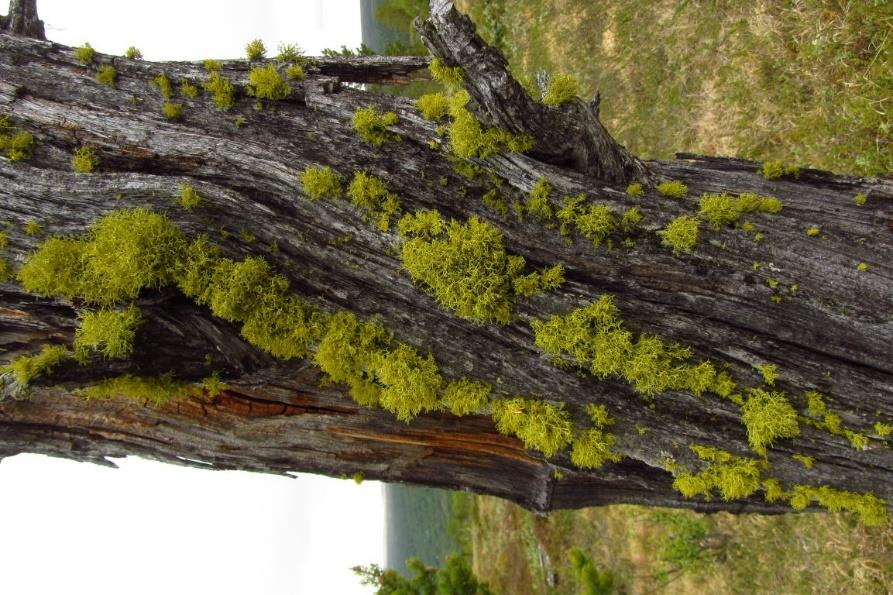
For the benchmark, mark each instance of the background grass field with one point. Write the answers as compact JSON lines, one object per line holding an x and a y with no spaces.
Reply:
{"x":807,"y":82}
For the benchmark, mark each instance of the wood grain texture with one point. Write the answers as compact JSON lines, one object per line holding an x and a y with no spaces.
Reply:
{"x":832,"y":335}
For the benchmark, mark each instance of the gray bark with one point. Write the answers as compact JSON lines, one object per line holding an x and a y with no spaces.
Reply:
{"x":833,"y":336}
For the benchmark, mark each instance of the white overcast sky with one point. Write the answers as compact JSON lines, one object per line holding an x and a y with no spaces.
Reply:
{"x":149,"y":528}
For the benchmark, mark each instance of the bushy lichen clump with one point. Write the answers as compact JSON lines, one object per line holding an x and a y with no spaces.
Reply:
{"x":768,"y":416}
{"x":560,"y":89}
{"x":372,"y":126}
{"x":464,"y":396}
{"x":433,"y":106}
{"x":594,"y":447}
{"x":107,"y":75}
{"x":164,"y":85}
{"x":172,"y":111}
{"x":538,"y":204}
{"x":265,"y":82}
{"x":681,"y":234}
{"x":772,"y":170}
{"x":123,"y":253}
{"x":255,"y":49}
{"x":672,"y":189}
{"x":85,"y":54}
{"x":450,"y":76}
{"x":465,"y":266}
{"x":83,"y":160}
{"x":594,"y":221}
{"x":17,"y":146}
{"x":189,"y":198}
{"x":818,"y":415}
{"x":321,"y":182}
{"x":725,"y":209}
{"x":370,"y":194}
{"x":733,"y":477}
{"x":595,"y":337}
{"x":289,"y":52}
{"x":540,"y":425}
{"x":871,"y":510}
{"x":25,"y":367}
{"x":188,"y":90}
{"x":295,"y":72}
{"x":109,"y":332}
{"x":133,"y":53}
{"x":635,"y":190}
{"x":363,"y":356}
{"x":470,"y":138}
{"x":155,"y":391}
{"x":224,"y":94}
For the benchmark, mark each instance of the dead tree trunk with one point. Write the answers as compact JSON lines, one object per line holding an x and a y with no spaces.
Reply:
{"x":792,"y":299}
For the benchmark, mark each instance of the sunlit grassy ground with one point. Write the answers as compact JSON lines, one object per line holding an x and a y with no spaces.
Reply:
{"x":802,"y":81}
{"x":519,"y":553}
{"x":807,"y":82}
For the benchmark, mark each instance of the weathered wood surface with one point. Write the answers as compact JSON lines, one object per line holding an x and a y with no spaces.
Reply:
{"x":833,"y":336}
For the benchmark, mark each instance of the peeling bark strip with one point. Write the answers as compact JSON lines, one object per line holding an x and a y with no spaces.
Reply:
{"x":789,"y":298}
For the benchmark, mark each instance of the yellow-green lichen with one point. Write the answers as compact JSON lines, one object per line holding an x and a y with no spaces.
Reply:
{"x":26,"y":367}
{"x":164,"y":85}
{"x":871,"y":510}
{"x":372,"y":126}
{"x":538,"y":204}
{"x":772,"y":170}
{"x":560,"y":89}
{"x":133,"y":53}
{"x":84,"y":160}
{"x":860,"y":199}
{"x":255,"y":49}
{"x":672,"y":189}
{"x":630,"y":219}
{"x":370,"y":194}
{"x":680,"y":234}
{"x":470,"y":138}
{"x":596,"y":222}
{"x":85,"y":54}
{"x":862,"y":267}
{"x":595,"y":337}
{"x":265,"y":82}
{"x":882,"y":429}
{"x":32,"y":228}
{"x":295,"y":72}
{"x":540,"y":426}
{"x":109,"y":332}
{"x":813,"y":231}
{"x":594,"y":446}
{"x":725,"y":209}
{"x":635,"y":190}
{"x":804,"y":460}
{"x":189,"y":198}
{"x":155,"y":391}
{"x":768,"y":416}
{"x":107,"y":75}
{"x":450,"y":76}
{"x":463,"y":397}
{"x":465,"y":267}
{"x":222,"y":90}
{"x":172,"y":111}
{"x":123,"y":253}
{"x":733,"y":477}
{"x":433,"y":106}
{"x":769,"y":373}
{"x":188,"y":90}
{"x":321,"y":182}
{"x":17,"y":146}
{"x":409,"y":381}
{"x":549,"y":279}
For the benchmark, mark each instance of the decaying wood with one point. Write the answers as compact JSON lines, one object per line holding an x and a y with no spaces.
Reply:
{"x":833,"y":335}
